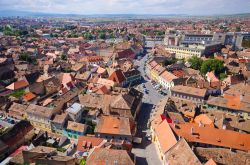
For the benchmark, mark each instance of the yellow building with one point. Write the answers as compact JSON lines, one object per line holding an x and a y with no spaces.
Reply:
{"x":39,"y":116}
{"x":185,"y":52}
{"x":156,"y":71}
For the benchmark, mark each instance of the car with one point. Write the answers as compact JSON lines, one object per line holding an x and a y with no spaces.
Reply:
{"x":146,"y":92}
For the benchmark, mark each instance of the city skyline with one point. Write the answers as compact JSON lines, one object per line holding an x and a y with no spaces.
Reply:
{"x":191,"y":7}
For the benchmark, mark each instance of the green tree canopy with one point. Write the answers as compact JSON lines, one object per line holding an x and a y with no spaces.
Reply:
{"x":169,"y":62}
{"x":102,"y":36}
{"x":212,"y":65}
{"x":195,"y":62}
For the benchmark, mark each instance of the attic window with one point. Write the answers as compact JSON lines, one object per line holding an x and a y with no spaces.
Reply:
{"x":241,"y":144}
{"x":218,"y":140}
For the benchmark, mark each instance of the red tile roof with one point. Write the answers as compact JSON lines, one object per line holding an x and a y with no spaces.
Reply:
{"x":213,"y":136}
{"x":29,"y":96}
{"x":84,"y":140}
{"x":127,"y":53}
{"x":117,"y":76}
{"x":18,"y":85}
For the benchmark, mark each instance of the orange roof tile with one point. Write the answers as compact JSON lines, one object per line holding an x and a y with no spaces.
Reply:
{"x":83,"y":140}
{"x":203,"y":118}
{"x":18,"y":85}
{"x":210,"y":135}
{"x":210,"y":162}
{"x":189,"y":90}
{"x":162,"y":131}
{"x":168,"y":76}
{"x":29,"y":96}
{"x":117,"y":76}
{"x":113,"y":125}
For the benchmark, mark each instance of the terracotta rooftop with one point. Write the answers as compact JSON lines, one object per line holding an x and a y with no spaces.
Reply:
{"x":18,"y":85}
{"x":124,"y":101}
{"x":181,"y":153}
{"x":94,"y":58}
{"x":113,"y":125}
{"x":168,"y":76}
{"x":102,"y":156}
{"x":42,"y":149}
{"x":203,"y":118}
{"x":85,"y":143}
{"x":117,"y":76}
{"x":39,"y":111}
{"x":29,"y":96}
{"x":233,"y":103}
{"x":78,"y":127}
{"x":162,"y":131}
{"x":152,"y":64}
{"x":222,"y":156}
{"x":17,"y":110}
{"x":209,"y":135}
{"x":189,"y":90}
{"x":210,"y":162}
{"x":60,"y":118}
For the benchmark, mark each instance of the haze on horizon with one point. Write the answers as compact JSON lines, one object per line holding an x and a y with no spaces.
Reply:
{"x":191,"y":7}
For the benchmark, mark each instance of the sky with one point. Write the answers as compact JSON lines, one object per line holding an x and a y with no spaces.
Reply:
{"x":191,"y":7}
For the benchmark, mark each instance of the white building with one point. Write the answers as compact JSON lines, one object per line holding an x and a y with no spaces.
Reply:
{"x":167,"y":79}
{"x":75,"y":112}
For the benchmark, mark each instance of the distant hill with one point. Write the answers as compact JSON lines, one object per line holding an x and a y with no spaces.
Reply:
{"x":13,"y":13}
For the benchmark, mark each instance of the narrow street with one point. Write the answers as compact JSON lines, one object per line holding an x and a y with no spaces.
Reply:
{"x":146,"y":152}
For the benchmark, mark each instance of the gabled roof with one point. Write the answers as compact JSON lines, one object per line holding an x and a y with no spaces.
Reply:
{"x":189,"y":90}
{"x":127,"y":53}
{"x":213,"y":136}
{"x":84,"y":140}
{"x":18,"y":85}
{"x":113,"y":125}
{"x":181,"y":153}
{"x":162,"y":131}
{"x":168,"y":76}
{"x":39,"y":111}
{"x":210,"y":162}
{"x":60,"y":118}
{"x":102,"y":156}
{"x":117,"y":76}
{"x":66,"y":78}
{"x":123,"y":102}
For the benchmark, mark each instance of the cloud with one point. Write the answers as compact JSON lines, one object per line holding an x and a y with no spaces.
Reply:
{"x":129,"y":6}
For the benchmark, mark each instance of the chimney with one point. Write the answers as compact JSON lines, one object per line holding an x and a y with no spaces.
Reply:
{"x":241,"y":97}
{"x":192,"y":130}
{"x":200,"y":124}
{"x":224,"y":127}
{"x":115,"y":162}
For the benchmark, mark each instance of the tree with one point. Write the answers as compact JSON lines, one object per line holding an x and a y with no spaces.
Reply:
{"x":195,"y":62}
{"x":64,"y":57}
{"x":169,"y":62}
{"x":212,"y":65}
{"x":238,"y":29}
{"x":102,"y":36}
{"x":88,"y":36}
{"x":222,"y":76}
{"x":246,"y":43}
